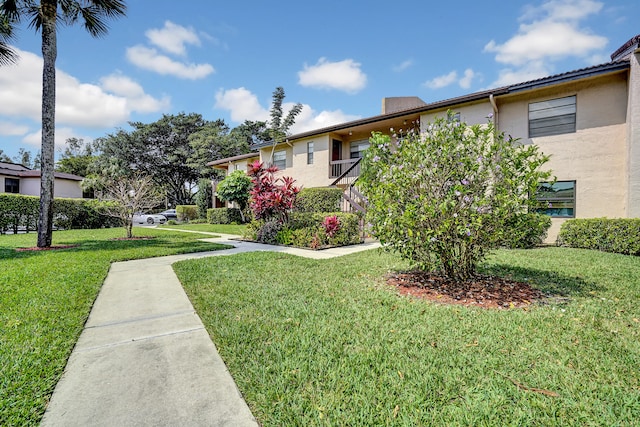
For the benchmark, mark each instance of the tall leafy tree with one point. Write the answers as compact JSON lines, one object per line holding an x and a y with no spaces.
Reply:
{"x":160,"y":150}
{"x":279,"y":124}
{"x":46,"y":16}
{"x":26,"y":158}
{"x":4,"y":157}
{"x":210,"y":143}
{"x":76,"y":158}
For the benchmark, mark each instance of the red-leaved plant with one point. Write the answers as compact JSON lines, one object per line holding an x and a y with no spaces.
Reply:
{"x":331,"y":225}
{"x":271,"y":197}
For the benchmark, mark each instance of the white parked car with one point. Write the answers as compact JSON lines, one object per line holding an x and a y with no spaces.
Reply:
{"x":140,"y":218}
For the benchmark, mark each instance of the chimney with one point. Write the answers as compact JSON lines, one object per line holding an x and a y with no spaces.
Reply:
{"x":401,"y":103}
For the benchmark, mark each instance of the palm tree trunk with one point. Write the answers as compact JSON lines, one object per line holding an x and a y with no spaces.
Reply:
{"x":49,"y":53}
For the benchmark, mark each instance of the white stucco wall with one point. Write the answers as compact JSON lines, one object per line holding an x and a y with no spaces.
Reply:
{"x":31,"y":186}
{"x":61,"y":187}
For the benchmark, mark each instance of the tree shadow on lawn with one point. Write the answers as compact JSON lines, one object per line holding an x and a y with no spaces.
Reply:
{"x":551,"y":283}
{"x":90,"y":245}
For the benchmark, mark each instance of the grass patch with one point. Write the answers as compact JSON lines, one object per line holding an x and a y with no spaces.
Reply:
{"x":210,"y":228}
{"x":45,"y":299}
{"x":328,"y":343}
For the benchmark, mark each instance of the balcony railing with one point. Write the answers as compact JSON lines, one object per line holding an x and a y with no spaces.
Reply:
{"x":339,"y":167}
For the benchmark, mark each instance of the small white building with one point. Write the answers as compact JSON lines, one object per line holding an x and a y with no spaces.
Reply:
{"x":19,"y":179}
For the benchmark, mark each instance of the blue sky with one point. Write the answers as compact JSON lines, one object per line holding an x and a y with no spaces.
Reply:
{"x":337,"y":58}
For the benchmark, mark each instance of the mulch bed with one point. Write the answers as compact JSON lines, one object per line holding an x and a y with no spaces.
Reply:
{"x":49,"y":248}
{"x":481,"y":291}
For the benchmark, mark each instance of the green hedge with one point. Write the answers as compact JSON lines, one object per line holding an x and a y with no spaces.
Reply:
{"x":305,"y":229}
{"x":224,"y":216}
{"x":320,"y":199}
{"x":524,"y":231}
{"x":619,"y":235}
{"x":187,"y":212}
{"x":18,"y":211}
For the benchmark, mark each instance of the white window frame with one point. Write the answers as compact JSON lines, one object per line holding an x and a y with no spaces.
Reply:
{"x":280,"y":159}
{"x":310,"y":152}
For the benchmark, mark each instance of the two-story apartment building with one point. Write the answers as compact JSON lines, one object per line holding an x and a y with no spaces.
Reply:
{"x":587,"y":120}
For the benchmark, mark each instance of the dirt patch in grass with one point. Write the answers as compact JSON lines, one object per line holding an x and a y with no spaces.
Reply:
{"x":481,"y":291}
{"x":48,"y":248}
{"x":118,"y":239}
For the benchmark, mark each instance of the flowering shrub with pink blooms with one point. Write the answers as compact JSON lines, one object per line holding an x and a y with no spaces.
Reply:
{"x":443,"y":196}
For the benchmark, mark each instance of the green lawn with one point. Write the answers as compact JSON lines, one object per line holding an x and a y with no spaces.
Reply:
{"x":211,"y":228}
{"x":45,"y":299}
{"x":328,"y":343}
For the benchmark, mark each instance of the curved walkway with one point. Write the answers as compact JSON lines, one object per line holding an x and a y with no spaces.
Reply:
{"x":144,"y":357}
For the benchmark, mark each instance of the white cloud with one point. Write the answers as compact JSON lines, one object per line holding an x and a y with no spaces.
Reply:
{"x":442,"y":81}
{"x":344,"y":75}
{"x":77,"y":103}
{"x":151,"y":59}
{"x":133,"y":92}
{"x":451,"y":78}
{"x":546,"y":40}
{"x":534,"y":70}
{"x":563,"y":9}
{"x":403,"y":65}
{"x":309,"y":119}
{"x":548,"y":33}
{"x":554,"y":34}
{"x":62,"y":134}
{"x":465,"y":81}
{"x":12,"y":129}
{"x":172,"y":38}
{"x":244,"y":105}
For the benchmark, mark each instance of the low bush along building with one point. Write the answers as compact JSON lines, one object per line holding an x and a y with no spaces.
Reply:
{"x":588,"y":120}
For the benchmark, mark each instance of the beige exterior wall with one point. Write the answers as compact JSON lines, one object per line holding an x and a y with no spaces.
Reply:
{"x":31,"y":186}
{"x":62,"y":187}
{"x":239,"y":165}
{"x":594,"y":156}
{"x":633,"y":136}
{"x":308,"y":176}
{"x":476,"y":113}
{"x":66,"y":188}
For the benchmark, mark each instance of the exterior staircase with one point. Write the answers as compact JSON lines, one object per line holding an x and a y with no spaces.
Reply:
{"x":353,"y":201}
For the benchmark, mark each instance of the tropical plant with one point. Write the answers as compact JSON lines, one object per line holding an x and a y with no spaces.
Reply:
{"x":46,"y":16}
{"x":271,"y":198}
{"x":278,"y":128}
{"x":235,"y":188}
{"x":443,"y":198}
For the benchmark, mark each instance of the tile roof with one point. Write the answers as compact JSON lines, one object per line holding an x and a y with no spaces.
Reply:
{"x":10,"y":169}
{"x":532,"y":84}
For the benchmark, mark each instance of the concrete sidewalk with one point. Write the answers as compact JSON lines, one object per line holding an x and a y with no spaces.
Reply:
{"x":144,"y":357}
